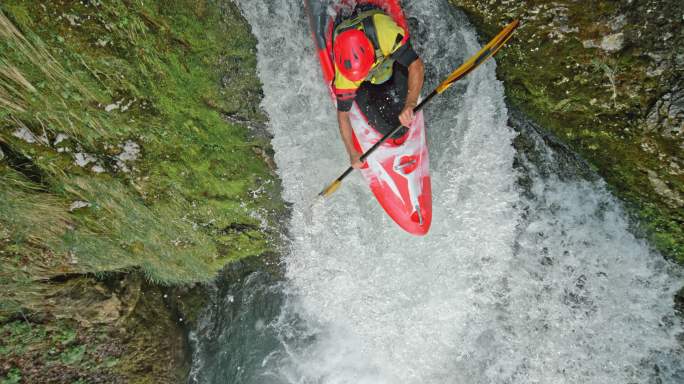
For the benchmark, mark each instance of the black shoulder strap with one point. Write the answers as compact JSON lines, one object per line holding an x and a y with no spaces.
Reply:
{"x":399,"y":51}
{"x":371,"y":33}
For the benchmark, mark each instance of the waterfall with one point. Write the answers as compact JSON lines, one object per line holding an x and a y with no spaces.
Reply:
{"x":529,"y":273}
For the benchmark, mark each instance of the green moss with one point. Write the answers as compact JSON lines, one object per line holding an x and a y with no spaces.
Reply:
{"x":50,"y":346}
{"x":140,"y":342}
{"x":161,"y":75}
{"x":147,"y":358}
{"x":594,"y":101}
{"x":17,"y":336}
{"x":73,"y":355}
{"x":161,"y":64}
{"x":13,"y":377}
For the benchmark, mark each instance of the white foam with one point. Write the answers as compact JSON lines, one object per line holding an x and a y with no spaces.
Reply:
{"x":505,"y":288}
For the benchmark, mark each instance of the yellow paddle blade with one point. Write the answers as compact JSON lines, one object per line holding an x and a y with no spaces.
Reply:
{"x":330,"y":189}
{"x":486,"y":52}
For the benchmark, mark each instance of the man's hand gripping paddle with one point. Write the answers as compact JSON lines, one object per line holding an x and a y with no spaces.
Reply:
{"x":486,"y":52}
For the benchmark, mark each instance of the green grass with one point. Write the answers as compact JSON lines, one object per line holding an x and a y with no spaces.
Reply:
{"x":61,"y":65}
{"x":13,"y":377}
{"x":56,"y":346}
{"x":98,"y":75}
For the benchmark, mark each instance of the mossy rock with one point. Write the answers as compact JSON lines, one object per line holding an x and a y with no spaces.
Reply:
{"x":607,"y":83}
{"x":128,"y":169}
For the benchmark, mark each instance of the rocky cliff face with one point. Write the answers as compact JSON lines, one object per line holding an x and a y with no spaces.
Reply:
{"x":607,"y":78}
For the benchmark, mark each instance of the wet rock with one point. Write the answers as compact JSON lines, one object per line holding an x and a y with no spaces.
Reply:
{"x":73,"y":20}
{"x":82,"y":159}
{"x":78,"y":204}
{"x":667,"y":115}
{"x":590,"y":44}
{"x":130,"y":151}
{"x":25,"y":134}
{"x":613,"y":43}
{"x":59,"y":138}
{"x":679,"y":302}
{"x":673,"y":197}
{"x":111,"y":107}
{"x":127,"y":106}
{"x":106,"y":311}
{"x":623,"y":106}
{"x":89,"y":303}
{"x":119,"y":105}
{"x":618,"y":23}
{"x":102,"y":42}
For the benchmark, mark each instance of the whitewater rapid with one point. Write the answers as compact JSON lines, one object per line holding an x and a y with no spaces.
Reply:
{"x":517,"y":282}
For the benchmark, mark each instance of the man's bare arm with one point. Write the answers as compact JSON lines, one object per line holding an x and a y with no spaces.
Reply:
{"x":416,"y":73}
{"x":346,"y":133}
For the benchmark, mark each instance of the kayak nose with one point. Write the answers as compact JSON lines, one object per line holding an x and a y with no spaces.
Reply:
{"x":417,"y":216}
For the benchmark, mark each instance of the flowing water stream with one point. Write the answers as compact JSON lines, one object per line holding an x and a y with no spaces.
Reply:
{"x":529,"y":273}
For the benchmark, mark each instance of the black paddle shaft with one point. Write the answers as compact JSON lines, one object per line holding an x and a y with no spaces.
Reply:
{"x":489,"y":50}
{"x":387,"y":136}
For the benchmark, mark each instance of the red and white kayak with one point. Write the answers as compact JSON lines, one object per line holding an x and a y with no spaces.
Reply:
{"x":398,"y":171}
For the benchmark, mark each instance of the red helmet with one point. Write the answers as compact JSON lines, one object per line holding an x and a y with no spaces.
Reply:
{"x":354,"y":54}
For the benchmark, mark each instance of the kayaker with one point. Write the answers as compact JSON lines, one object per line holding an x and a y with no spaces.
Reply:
{"x":367,"y":48}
